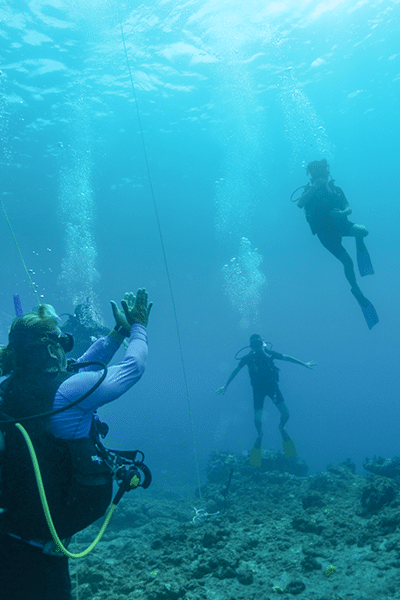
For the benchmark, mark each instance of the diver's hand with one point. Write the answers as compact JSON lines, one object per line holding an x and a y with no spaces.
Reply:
{"x":221,"y":390}
{"x":136,"y":309}
{"x":310,"y":364}
{"x":120,"y":319}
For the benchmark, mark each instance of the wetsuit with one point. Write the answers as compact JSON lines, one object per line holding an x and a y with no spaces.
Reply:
{"x":84,"y":328}
{"x":264,"y":376}
{"x":76,"y":476}
{"x":329,"y":228}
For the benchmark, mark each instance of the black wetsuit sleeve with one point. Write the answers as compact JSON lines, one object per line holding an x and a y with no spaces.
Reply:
{"x":243,"y":361}
{"x":274,"y":355}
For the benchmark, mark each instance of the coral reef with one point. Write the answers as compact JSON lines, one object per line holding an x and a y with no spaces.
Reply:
{"x":255,"y":534}
{"x":387,"y":467}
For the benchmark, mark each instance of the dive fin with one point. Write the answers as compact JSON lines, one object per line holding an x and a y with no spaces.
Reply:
{"x":368,"y":309}
{"x":289,"y":449}
{"x":256,"y":455}
{"x":363,"y":258}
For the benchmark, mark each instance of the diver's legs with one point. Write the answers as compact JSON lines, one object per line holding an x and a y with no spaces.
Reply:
{"x":335,"y":247}
{"x":348,"y":266}
{"x":258,"y":424}
{"x":358,"y":231}
{"x":350,"y":275}
{"x":258,"y":401}
{"x":333,"y":243}
{"x":283,"y":409}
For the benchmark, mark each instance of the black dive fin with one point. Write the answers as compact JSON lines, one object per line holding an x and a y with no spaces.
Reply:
{"x":368,"y":309}
{"x":363,"y":259}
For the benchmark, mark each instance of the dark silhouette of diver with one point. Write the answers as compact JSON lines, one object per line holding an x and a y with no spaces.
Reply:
{"x":264,"y":378}
{"x":84,"y":327}
{"x":327,"y":210}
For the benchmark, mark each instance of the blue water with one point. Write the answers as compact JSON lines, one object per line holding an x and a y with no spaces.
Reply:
{"x":234,"y":99}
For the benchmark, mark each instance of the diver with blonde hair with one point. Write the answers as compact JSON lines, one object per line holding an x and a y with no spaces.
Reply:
{"x":56,"y":401}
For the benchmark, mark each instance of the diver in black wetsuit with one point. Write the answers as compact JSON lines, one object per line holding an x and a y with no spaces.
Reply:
{"x":83,"y":326}
{"x":264,"y":378}
{"x":327,"y":210}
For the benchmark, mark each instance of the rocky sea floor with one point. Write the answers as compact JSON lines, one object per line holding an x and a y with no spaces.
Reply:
{"x":256,"y":534}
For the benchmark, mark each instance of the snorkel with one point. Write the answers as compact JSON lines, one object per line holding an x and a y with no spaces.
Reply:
{"x":17,"y":305}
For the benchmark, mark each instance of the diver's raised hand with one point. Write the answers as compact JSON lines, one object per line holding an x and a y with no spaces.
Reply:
{"x":310,"y":364}
{"x":121,"y":321}
{"x":221,"y":390}
{"x":136,"y":308}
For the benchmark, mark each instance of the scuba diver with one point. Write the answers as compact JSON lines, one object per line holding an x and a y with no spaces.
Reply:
{"x":56,"y":401}
{"x":327,"y":210}
{"x":264,"y":378}
{"x":84,"y":327}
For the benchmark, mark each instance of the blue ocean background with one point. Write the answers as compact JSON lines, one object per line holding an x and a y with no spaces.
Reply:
{"x":234,"y":99}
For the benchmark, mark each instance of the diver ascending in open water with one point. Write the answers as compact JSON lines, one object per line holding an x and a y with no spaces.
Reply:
{"x":327,"y":210}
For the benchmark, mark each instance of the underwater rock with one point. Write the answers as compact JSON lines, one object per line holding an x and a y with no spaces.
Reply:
{"x":276,"y":535}
{"x":295,"y":587}
{"x":312,"y":500}
{"x":379,"y":492}
{"x":309,"y":563}
{"x":221,"y":464}
{"x":245,"y":575}
{"x":307,"y":525}
{"x":344,"y":469}
{"x":385,"y":467}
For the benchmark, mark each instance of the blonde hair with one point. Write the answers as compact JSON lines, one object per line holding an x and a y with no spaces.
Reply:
{"x":27,"y":341}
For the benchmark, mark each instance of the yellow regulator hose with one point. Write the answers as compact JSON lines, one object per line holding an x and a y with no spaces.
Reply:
{"x":46,"y":509}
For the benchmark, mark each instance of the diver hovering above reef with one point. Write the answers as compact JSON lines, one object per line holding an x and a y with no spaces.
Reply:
{"x":326,"y":209}
{"x":264,"y":377}
{"x":55,"y":400}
